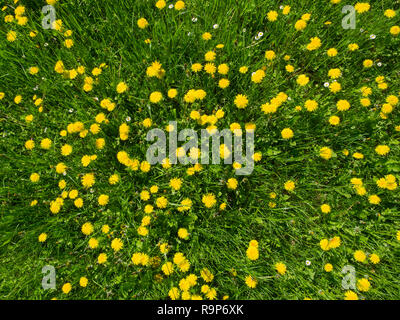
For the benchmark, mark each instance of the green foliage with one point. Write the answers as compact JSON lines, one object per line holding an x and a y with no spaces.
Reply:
{"x":288,"y":228}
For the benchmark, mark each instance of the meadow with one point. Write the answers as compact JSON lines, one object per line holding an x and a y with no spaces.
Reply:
{"x":319,"y":216}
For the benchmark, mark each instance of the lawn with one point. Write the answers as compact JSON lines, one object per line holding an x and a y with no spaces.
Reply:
{"x":317,"y":218}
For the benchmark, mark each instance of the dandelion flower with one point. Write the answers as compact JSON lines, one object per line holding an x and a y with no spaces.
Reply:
{"x":302,"y":80}
{"x":363,"y":284}
{"x":325,"y":153}
{"x":179,"y":5}
{"x":289,"y":185}
{"x":121,"y":88}
{"x":359,"y":256}
{"x":241,"y":101}
{"x":328,"y":267}
{"x":350,"y":295}
{"x":183,"y":233}
{"x":142,"y":23}
{"x":287,"y":133}
{"x":382,"y":150}
{"x":325,"y":208}
{"x":209,"y":200}
{"x":281,"y":268}
{"x":102,"y":258}
{"x":251,"y":282}
{"x":42,"y":237}
{"x":117,"y":244}
{"x":66,"y":288}
{"x":83,"y":282}
{"x":374,"y":258}
{"x":155,"y":97}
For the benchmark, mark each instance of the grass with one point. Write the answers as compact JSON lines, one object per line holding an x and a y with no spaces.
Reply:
{"x":288,"y":228}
